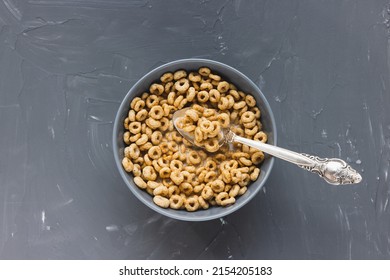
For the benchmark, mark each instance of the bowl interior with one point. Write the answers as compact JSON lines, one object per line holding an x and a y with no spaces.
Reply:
{"x":230,"y":74}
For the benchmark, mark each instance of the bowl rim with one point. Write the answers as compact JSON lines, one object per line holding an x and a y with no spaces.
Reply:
{"x":117,"y":122}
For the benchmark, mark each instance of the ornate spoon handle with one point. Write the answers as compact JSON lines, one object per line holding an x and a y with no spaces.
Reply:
{"x":334,"y":171}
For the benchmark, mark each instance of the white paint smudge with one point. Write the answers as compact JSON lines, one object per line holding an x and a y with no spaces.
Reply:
{"x":369,"y":124}
{"x":153,"y":219}
{"x":111,"y":228}
{"x":68,"y":202}
{"x":130,"y":229}
{"x":95,"y":118}
{"x":43,"y":217}
{"x":222,"y":46}
{"x":358,"y":161}
{"x":12,"y":9}
{"x":324,"y":134}
{"x":59,"y":189}
{"x":386,"y":203}
{"x":277,"y":99}
{"x":315,"y":114}
{"x":365,"y":107}
{"x":51,"y":130}
{"x":261,"y":82}
{"x":339,"y":148}
{"x":347,"y":222}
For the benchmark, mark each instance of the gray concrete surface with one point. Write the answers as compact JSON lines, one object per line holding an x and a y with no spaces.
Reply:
{"x":66,"y":65}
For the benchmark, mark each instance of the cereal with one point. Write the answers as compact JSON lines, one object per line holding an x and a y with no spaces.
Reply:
{"x":177,"y":177}
{"x":167,"y":77}
{"x":182,"y":85}
{"x":126,"y":123}
{"x":165,"y":172}
{"x":134,"y":151}
{"x":153,"y":185}
{"x":235,"y":94}
{"x":131,"y":116}
{"x":257,"y":157}
{"x":191,"y":93}
{"x":127,"y":164}
{"x":186,"y":188}
{"x":223,"y":87}
{"x":163,"y":202}
{"x":194,"y":77}
{"x":260,"y":136}
{"x":135,"y":127}
{"x":156,"y":112}
{"x":161,"y":190}
{"x":140,"y":182}
{"x":179,"y":74}
{"x":164,"y":124}
{"x":233,"y":192}
{"x":154,"y":152}
{"x":203,"y":203}
{"x":203,"y":96}
{"x":221,"y":197}
{"x":147,"y":160}
{"x":153,"y":123}
{"x":206,"y":86}
{"x":139,"y":105}
{"x":149,"y":173}
{"x":142,"y":140}
{"x":204,"y":71}
{"x":176,"y":201}
{"x":156,"y":137}
{"x":250,"y":100}
{"x":126,"y":137}
{"x":145,"y":147}
{"x":177,"y":174}
{"x":215,"y":77}
{"x":156,"y":89}
{"x":228,"y":201}
{"x":191,"y":204}
{"x":141,"y":115}
{"x":242,"y":191}
{"x":255,"y":174}
{"x":207,"y":193}
{"x":205,"y":127}
{"x":173,"y":190}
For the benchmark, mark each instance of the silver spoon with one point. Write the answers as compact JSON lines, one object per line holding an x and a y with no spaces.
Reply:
{"x":335,"y":171}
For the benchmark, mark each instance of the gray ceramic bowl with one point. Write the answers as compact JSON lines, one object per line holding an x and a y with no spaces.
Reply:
{"x":230,"y":74}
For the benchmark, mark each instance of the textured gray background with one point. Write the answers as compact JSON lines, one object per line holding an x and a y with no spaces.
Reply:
{"x":66,"y":65}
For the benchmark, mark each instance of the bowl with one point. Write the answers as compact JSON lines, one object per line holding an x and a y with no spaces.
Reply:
{"x":230,"y":74}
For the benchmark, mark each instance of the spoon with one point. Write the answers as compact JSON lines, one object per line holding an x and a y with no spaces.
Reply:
{"x":334,"y":171}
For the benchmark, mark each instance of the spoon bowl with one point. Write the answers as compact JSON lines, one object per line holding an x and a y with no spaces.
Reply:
{"x":181,"y":114}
